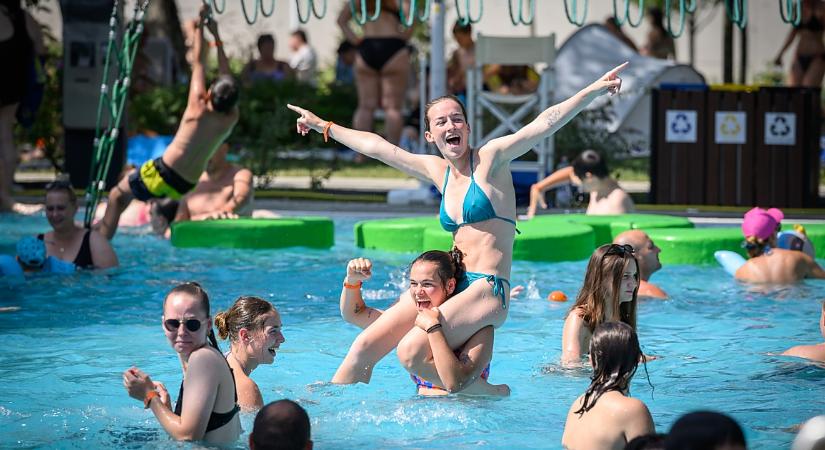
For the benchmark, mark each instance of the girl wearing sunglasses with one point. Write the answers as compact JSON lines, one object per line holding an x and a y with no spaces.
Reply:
{"x":253,"y":327}
{"x":611,"y":285}
{"x":433,"y":280}
{"x":207,"y":408}
{"x":605,"y":416}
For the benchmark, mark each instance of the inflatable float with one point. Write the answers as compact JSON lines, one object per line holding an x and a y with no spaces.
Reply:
{"x":311,"y":232}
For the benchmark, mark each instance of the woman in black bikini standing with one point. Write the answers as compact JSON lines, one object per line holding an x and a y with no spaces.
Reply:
{"x":381,"y":67}
{"x":207,"y":406}
{"x":808,"y":65}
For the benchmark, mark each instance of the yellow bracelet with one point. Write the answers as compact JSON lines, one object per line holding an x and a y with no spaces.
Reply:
{"x":352,"y":286}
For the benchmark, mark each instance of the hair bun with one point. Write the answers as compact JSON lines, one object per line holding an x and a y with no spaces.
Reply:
{"x":220,"y":324}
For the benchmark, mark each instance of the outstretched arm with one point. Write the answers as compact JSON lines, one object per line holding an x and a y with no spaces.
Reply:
{"x":223,"y":61}
{"x":197,"y":84}
{"x":353,"y":308}
{"x":510,"y":147}
{"x":456,"y":372}
{"x":424,"y":167}
{"x":557,"y":178}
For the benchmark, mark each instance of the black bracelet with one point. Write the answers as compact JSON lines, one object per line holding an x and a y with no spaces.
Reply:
{"x":433,"y":328}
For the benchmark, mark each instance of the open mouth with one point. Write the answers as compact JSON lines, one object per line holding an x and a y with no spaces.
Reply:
{"x":423,"y":304}
{"x":453,"y":140}
{"x":272,"y":350}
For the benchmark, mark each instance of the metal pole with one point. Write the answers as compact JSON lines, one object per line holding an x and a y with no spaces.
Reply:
{"x":438,"y":67}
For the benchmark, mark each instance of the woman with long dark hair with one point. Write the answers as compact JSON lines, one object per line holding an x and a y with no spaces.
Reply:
{"x":207,"y":405}
{"x":605,"y":417}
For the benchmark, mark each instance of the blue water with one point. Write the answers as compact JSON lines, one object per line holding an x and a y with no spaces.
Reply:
{"x":65,"y":350}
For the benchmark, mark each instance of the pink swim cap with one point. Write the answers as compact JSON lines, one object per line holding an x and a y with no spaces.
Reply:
{"x":761,"y":223}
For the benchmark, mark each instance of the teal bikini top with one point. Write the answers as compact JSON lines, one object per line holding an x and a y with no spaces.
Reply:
{"x":476,"y":208}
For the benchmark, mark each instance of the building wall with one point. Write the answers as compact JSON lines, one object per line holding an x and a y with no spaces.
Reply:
{"x":766,"y":31}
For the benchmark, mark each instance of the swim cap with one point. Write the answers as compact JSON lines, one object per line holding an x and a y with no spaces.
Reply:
{"x":31,"y":251}
{"x":761,"y":223}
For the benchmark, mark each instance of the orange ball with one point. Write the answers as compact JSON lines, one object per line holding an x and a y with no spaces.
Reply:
{"x":557,"y":296}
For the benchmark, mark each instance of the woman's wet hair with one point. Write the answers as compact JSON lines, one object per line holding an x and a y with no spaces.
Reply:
{"x":702,"y":430}
{"x":62,"y":186}
{"x":615,"y":355}
{"x":247,"y":312}
{"x":448,"y":264}
{"x":590,"y":161}
{"x":194,"y":289}
{"x":437,"y":100}
{"x":224,"y":93}
{"x":602,"y":284}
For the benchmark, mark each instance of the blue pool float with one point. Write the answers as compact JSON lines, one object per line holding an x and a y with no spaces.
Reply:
{"x":730,"y":261}
{"x":9,"y":267}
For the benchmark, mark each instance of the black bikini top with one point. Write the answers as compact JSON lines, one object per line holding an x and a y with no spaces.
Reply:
{"x":216,"y":420}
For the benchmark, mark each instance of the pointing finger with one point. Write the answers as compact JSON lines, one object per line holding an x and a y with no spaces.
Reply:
{"x":297,"y":109}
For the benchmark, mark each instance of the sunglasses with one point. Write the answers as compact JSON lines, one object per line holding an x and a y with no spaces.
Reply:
{"x":173,"y":325}
{"x":621,"y":250}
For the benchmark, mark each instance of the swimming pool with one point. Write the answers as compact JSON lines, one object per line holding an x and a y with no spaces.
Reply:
{"x":65,"y":350}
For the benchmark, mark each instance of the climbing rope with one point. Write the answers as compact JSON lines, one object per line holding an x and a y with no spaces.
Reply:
{"x":685,"y":8}
{"x":467,"y":18}
{"x":792,"y":12}
{"x":362,"y":19}
{"x":522,"y":19}
{"x":408,"y":21}
{"x":214,"y":6}
{"x":737,"y":12}
{"x":311,"y":11}
{"x":625,"y":18}
{"x":112,"y":102}
{"x":264,"y":11}
{"x":572,"y":13}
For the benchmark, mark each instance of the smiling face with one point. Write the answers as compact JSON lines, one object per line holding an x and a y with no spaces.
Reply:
{"x":265,"y":342}
{"x":448,"y":128}
{"x":182,"y":306}
{"x":426,"y":287}
{"x":60,"y":210}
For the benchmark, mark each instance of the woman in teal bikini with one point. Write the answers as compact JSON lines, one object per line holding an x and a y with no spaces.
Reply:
{"x":477,"y":188}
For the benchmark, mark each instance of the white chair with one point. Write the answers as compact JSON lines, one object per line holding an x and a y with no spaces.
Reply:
{"x":536,"y":52}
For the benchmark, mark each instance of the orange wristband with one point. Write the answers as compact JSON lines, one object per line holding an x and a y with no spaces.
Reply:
{"x":352,"y":286}
{"x":326,"y":130}
{"x":216,"y":44}
{"x":148,"y":399}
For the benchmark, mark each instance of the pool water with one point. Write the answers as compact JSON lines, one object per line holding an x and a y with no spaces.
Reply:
{"x":65,"y":350}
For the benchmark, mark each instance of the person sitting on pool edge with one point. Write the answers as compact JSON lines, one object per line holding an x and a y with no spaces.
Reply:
{"x":589,"y":171}
{"x":433,"y":278}
{"x":609,"y":293}
{"x":647,"y":255}
{"x":211,"y":114}
{"x":253,"y":327}
{"x":281,"y":425}
{"x":605,"y":416}
{"x":766,"y":263}
{"x":815,"y":352}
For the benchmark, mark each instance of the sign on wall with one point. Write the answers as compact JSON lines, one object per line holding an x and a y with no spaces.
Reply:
{"x":731,"y":127}
{"x":780,"y":128}
{"x":681,"y":125}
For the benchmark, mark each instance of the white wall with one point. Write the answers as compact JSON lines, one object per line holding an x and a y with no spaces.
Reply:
{"x":766,"y":30}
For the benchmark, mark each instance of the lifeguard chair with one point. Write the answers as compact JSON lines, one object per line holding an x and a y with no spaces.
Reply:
{"x":536,"y":52}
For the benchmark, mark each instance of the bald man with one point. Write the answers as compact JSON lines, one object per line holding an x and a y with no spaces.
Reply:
{"x":648,"y":256}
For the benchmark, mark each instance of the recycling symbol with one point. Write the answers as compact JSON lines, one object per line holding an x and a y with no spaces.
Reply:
{"x":780,"y":126}
{"x":730,"y":126}
{"x":680,"y":124}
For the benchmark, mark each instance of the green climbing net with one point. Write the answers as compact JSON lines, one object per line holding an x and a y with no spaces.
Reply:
{"x":112,"y":100}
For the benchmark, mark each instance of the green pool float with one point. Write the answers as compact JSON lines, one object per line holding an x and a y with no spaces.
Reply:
{"x":311,"y":232}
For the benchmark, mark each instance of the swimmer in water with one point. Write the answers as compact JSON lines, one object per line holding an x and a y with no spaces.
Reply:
{"x":478,"y":207}
{"x":609,"y":294}
{"x":815,"y":352}
{"x":253,"y":327}
{"x":605,"y":416}
{"x":433,"y":277}
{"x":766,"y":263}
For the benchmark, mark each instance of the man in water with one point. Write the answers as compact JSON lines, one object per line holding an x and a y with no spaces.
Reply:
{"x":210,"y":115}
{"x":281,"y":425}
{"x":647,"y":253}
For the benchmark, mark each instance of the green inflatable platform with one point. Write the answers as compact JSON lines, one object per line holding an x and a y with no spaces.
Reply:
{"x":559,"y":237}
{"x":312,"y":232}
{"x":697,"y":245}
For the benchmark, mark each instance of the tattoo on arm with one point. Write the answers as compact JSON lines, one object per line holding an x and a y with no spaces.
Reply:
{"x":369,"y":313}
{"x":359,"y":307}
{"x":553,"y":117}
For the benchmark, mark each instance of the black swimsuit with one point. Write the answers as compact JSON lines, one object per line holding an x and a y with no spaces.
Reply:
{"x":377,"y":51}
{"x":83,"y":260}
{"x":216,"y":420}
{"x":816,"y":26}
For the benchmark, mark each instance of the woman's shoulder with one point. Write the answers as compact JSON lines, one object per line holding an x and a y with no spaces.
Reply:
{"x":207,"y":356}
